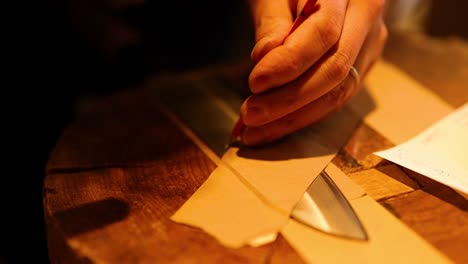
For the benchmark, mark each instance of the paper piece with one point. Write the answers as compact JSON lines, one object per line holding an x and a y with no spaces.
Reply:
{"x":226,"y":209}
{"x":280,"y":173}
{"x":263,"y":240}
{"x":250,"y":195}
{"x":349,"y":188}
{"x":395,"y":105}
{"x":439,"y":152}
{"x":258,"y":195}
{"x":238,"y":207}
{"x":390,"y":241}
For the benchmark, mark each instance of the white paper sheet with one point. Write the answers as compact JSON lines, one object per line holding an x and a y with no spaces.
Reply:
{"x":439,"y":152}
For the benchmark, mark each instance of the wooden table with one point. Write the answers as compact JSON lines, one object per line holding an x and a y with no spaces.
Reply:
{"x":120,"y":171}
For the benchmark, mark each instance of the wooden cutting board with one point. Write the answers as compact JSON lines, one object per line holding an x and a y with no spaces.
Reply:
{"x":123,"y":168}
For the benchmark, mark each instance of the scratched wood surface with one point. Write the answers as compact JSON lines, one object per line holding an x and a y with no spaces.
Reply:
{"x":120,"y":171}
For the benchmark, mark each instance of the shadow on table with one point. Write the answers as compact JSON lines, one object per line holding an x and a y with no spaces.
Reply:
{"x":438,"y":190}
{"x":91,"y":216}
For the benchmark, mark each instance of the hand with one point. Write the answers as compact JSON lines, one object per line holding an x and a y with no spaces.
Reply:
{"x":302,"y":77}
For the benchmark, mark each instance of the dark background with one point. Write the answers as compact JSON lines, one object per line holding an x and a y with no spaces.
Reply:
{"x":58,"y":52}
{"x":61,"y":51}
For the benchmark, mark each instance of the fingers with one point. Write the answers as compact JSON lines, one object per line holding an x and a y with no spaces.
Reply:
{"x":263,"y":108}
{"x":372,"y":48}
{"x":272,"y":21}
{"x":311,"y":113}
{"x":300,"y":50}
{"x":322,"y":90}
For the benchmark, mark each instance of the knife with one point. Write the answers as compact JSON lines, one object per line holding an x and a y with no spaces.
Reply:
{"x":206,"y":107}
{"x":324,"y":207}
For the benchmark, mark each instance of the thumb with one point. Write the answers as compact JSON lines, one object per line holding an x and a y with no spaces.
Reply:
{"x":272,"y":22}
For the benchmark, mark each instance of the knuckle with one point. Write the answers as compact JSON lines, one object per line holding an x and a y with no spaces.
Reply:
{"x":291,"y":60}
{"x":383,"y":34}
{"x":328,"y":33}
{"x":289,"y":102}
{"x":295,"y":59}
{"x":339,"y":68}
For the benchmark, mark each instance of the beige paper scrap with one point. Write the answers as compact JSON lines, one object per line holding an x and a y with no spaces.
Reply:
{"x":258,"y":187}
{"x":226,"y":209}
{"x":401,"y":107}
{"x":439,"y":152}
{"x":238,"y":207}
{"x":349,"y":188}
{"x":210,"y":210}
{"x":390,"y":241}
{"x":280,"y":172}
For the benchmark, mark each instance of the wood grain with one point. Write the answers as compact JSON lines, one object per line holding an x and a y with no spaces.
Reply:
{"x":444,"y":223}
{"x":116,"y":177}
{"x":128,"y":220}
{"x":384,"y":181}
{"x":122,"y":168}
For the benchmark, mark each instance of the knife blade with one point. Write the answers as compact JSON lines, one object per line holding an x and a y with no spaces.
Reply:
{"x":206,"y":107}
{"x":324,"y":207}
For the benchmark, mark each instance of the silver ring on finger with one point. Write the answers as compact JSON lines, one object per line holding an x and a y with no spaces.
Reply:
{"x":354,"y":72}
